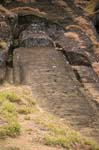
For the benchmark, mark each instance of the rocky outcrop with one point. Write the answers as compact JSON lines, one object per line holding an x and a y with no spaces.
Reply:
{"x":8,"y":22}
{"x":53,"y":54}
{"x":5,"y":43}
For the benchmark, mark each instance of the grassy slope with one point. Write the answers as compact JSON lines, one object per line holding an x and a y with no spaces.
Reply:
{"x":18,"y":111}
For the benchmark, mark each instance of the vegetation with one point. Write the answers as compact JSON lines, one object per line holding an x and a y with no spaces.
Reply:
{"x":13,"y":102}
{"x":57,"y":133}
{"x":18,"y":108}
{"x":8,"y":116}
{"x":3,"y":44}
{"x":90,"y":7}
{"x":25,"y":110}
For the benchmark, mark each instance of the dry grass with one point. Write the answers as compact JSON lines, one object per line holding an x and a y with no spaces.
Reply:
{"x":6,"y":12}
{"x":96,"y":67}
{"x":3,"y":45}
{"x":90,"y":7}
{"x":73,"y":36}
{"x":57,"y":133}
{"x":87,"y":29}
{"x":13,"y":100}
{"x":28,"y":10}
{"x":48,"y":129}
{"x":87,"y":6}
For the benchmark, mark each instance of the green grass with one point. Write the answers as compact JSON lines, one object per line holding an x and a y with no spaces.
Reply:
{"x":8,"y":112}
{"x":12,"y":130}
{"x":59,"y":134}
{"x":25,"y":110}
{"x":59,"y":140}
{"x":56,"y":131}
{"x":7,"y":106}
{"x":11,"y":96}
{"x":68,"y":141}
{"x":14,"y":102}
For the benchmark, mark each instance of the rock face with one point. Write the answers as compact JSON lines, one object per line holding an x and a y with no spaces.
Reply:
{"x":53,"y":83}
{"x":56,"y":60}
{"x":7,"y":25}
{"x":96,"y":17}
{"x":5,"y":43}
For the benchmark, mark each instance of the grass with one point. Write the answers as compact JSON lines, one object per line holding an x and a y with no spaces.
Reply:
{"x":3,"y":44}
{"x":69,"y":142}
{"x":57,"y":133}
{"x":8,"y":107}
{"x":14,"y":101}
{"x":12,"y":129}
{"x":8,"y":112}
{"x":25,"y":110}
{"x":12,"y":97}
{"x":52,"y":130}
{"x":90,"y":6}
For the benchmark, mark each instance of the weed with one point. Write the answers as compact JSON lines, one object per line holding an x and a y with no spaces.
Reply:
{"x":58,"y":134}
{"x":12,"y":129}
{"x":25,"y":110}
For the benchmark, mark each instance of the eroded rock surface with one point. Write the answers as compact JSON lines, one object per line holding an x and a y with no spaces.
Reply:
{"x":56,"y":59}
{"x":5,"y":43}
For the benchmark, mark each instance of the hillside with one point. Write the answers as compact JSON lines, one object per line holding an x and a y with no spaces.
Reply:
{"x":49,"y":60}
{"x":25,"y":126}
